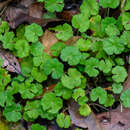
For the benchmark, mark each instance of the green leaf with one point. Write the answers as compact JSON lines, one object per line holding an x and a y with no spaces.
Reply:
{"x":29,"y":91}
{"x":117,"y":88}
{"x":83,"y":45}
{"x":60,"y":90}
{"x":90,"y":7}
{"x":85,"y":110}
{"x":37,"y":60}
{"x":107,"y":21}
{"x":105,"y":66}
{"x":64,"y":32}
{"x":38,"y":75}
{"x":125,"y":98}
{"x":12,"y":113}
{"x":83,"y":24}
{"x":127,"y":5}
{"x":126,"y":20}
{"x":32,"y":110}
{"x":22,"y":48}
{"x":119,"y":74}
{"x":95,"y":26}
{"x":5,"y":78}
{"x":37,"y":127}
{"x":71,"y":54}
{"x":79,"y":92}
{"x":4,"y":27}
{"x":90,"y":67}
{"x":50,"y":103}
{"x":20,"y":31}
{"x":63,"y":120}
{"x":82,"y":100}
{"x":54,"y":5}
{"x":71,"y":80}
{"x":8,"y":40}
{"x":36,"y":49}
{"x":26,"y":66}
{"x":32,"y":32}
{"x":57,"y":48}
{"x":100,"y":93}
{"x":112,"y":30}
{"x":113,"y":45}
{"x":109,"y":3}
{"x":110,"y":100}
{"x":53,"y":67}
{"x":119,"y":61}
{"x":125,"y":37}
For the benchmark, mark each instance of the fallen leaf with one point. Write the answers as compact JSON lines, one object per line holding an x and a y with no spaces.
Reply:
{"x":36,"y":10}
{"x":48,"y":39}
{"x":115,"y":119}
{"x":4,"y":3}
{"x":26,"y":3}
{"x":10,"y":63}
{"x":89,"y":122}
{"x":67,"y":14}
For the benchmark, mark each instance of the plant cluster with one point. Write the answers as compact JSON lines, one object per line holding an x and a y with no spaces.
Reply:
{"x":93,"y":56}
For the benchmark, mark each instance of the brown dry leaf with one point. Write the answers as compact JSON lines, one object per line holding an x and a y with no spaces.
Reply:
{"x":48,"y":39}
{"x":4,"y":3}
{"x":26,"y":3}
{"x":10,"y":63}
{"x":36,"y":10}
{"x":89,"y":122}
{"x":67,"y":14}
{"x":12,"y":12}
{"x":115,"y":120}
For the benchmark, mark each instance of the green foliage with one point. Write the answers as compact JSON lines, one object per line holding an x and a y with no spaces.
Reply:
{"x":90,"y":6}
{"x":57,"y":48}
{"x":125,"y":98}
{"x":32,"y":110}
{"x":50,"y":103}
{"x":22,"y":48}
{"x":63,"y":120}
{"x":12,"y":113}
{"x":117,"y":88}
{"x":60,"y":90}
{"x":85,"y":110}
{"x":91,"y":65}
{"x":71,"y":54}
{"x":79,"y":92}
{"x":37,"y":127}
{"x":53,"y":5}
{"x":119,"y":74}
{"x":64,"y":32}
{"x":125,"y":20}
{"x":83,"y":45}
{"x":113,"y":45}
{"x":36,"y":49}
{"x":71,"y":80}
{"x":100,"y":93}
{"x":53,"y":67}
{"x":109,"y":3}
{"x":109,"y":101}
{"x":83,"y":24}
{"x":97,"y":55}
{"x":32,"y":32}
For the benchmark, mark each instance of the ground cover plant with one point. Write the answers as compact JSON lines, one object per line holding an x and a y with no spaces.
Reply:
{"x":90,"y":71}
